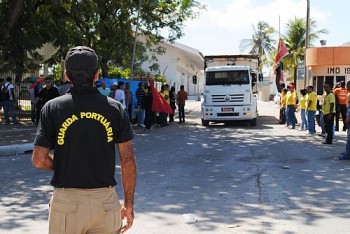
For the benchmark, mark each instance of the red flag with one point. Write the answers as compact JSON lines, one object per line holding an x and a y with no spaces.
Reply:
{"x":281,"y":53}
{"x":159,"y":104}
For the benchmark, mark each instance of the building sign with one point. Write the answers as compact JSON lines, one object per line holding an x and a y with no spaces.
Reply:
{"x":301,"y":70}
{"x":341,"y":70}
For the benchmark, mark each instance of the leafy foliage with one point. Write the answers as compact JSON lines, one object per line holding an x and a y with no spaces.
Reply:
{"x":105,"y":25}
{"x":295,"y":42}
{"x":261,"y":42}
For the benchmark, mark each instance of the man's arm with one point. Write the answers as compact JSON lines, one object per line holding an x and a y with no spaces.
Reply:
{"x":128,"y":177}
{"x":308,"y":105}
{"x":41,"y":158}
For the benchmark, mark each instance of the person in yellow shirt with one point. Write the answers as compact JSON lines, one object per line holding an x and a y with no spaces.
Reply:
{"x":291,"y":105}
{"x":328,"y":110}
{"x":311,"y":107}
{"x":302,"y":106}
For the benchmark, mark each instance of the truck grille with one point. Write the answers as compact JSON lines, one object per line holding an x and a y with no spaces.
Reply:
{"x":230,"y":98}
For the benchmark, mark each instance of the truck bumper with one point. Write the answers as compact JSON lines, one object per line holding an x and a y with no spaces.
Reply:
{"x":229,"y":113}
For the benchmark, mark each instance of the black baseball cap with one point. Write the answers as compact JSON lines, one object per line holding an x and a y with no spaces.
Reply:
{"x":81,"y":61}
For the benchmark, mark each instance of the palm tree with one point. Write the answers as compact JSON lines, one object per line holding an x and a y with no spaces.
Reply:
{"x":295,"y":43}
{"x":261,"y":42}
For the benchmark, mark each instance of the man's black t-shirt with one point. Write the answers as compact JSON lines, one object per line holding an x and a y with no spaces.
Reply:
{"x":83,"y":127}
{"x":48,"y":94}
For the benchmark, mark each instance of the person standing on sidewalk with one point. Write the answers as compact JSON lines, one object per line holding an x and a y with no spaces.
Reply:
{"x":9,"y":101}
{"x":46,"y":94}
{"x":328,"y":110}
{"x":140,"y":94}
{"x":148,"y":100}
{"x":83,"y":128}
{"x":346,"y":154}
{"x":302,"y":105}
{"x":172,"y":97}
{"x":181,"y":100}
{"x":342,"y":95}
{"x":129,"y":100}
{"x":311,"y":107}
{"x":291,"y":99}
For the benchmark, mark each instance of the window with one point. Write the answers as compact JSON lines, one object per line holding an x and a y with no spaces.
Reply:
{"x":319,"y":86}
{"x":227,"y":77}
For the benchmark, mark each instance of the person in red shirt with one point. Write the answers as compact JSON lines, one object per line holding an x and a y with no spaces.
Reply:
{"x":341,"y":94}
{"x":181,"y":99}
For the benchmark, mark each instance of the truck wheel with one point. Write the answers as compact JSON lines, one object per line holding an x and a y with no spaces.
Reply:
{"x":253,"y":122}
{"x":205,"y":122}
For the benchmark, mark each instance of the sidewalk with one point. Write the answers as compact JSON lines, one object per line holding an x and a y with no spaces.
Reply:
{"x":18,"y":138}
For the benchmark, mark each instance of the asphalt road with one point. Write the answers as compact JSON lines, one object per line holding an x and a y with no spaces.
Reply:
{"x":234,"y":178}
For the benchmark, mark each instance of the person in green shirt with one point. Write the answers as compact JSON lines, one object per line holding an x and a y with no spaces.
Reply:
{"x":328,"y":110}
{"x":311,"y":103}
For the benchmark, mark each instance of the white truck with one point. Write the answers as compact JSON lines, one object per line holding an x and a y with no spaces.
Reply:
{"x":230,"y":87}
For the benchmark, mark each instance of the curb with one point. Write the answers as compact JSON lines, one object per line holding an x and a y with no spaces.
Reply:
{"x":16,"y":149}
{"x":10,"y":150}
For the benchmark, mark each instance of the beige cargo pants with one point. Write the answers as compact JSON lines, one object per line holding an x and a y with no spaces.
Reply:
{"x":84,"y":211}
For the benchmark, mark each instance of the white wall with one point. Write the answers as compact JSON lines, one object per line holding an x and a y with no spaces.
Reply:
{"x":179,"y":66}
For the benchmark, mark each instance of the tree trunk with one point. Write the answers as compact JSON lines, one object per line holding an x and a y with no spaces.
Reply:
{"x":11,"y":19}
{"x":104,"y":68}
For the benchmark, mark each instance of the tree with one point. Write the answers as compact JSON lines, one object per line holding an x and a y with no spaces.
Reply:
{"x":23,"y":34}
{"x":261,"y":42}
{"x":294,"y":39}
{"x":105,"y":25}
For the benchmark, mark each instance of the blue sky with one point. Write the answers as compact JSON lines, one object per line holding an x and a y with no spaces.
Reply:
{"x":225,"y":23}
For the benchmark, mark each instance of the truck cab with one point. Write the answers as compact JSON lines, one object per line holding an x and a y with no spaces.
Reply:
{"x":228,"y":93}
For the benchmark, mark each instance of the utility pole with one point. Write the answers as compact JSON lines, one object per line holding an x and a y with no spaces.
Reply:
{"x":307,"y":41}
{"x":135,"y":43}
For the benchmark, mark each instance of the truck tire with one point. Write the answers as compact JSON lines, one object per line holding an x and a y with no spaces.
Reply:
{"x":205,"y":122}
{"x":252,"y":122}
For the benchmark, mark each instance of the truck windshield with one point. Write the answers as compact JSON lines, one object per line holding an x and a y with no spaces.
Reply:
{"x":227,"y":77}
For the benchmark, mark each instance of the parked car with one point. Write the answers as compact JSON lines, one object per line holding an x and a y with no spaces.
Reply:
{"x":276,"y":98}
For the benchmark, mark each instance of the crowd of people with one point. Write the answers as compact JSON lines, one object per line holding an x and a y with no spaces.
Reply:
{"x":141,"y":113}
{"x":326,"y":111}
{"x":8,"y":100}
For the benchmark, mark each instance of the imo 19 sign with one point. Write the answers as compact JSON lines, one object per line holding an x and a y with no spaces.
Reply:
{"x":338,"y":70}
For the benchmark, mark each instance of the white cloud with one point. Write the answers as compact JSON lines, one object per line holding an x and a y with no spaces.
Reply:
{"x":221,"y":28}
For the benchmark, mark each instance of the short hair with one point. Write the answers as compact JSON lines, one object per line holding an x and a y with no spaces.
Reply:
{"x":139,"y":84}
{"x":81,"y":65}
{"x":310,"y":87}
{"x":8,"y":79}
{"x":182,"y":87}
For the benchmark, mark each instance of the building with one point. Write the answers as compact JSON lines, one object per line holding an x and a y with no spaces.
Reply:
{"x":327,"y":64}
{"x":179,"y":64}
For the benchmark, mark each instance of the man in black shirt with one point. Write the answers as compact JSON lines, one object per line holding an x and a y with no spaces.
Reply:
{"x":140,"y":93}
{"x":45,"y":94}
{"x":83,"y":127}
